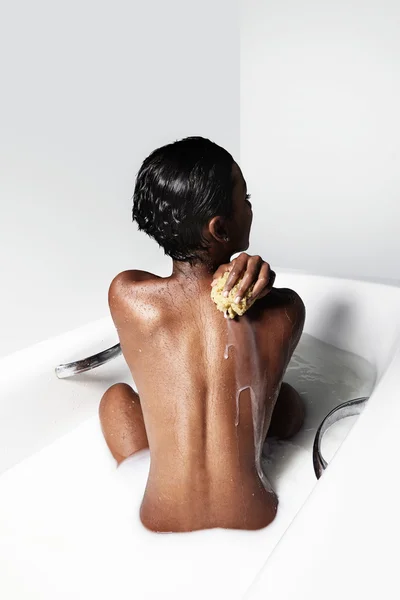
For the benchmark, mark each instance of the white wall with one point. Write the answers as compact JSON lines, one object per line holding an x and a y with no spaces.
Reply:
{"x":88,"y":89}
{"x":320,"y":133}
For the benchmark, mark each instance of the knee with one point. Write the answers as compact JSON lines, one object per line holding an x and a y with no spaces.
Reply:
{"x":112,"y":397}
{"x":289,"y":413}
{"x":295,"y":409}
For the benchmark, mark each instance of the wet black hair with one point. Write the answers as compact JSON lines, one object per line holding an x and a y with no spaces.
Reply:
{"x":178,"y":189}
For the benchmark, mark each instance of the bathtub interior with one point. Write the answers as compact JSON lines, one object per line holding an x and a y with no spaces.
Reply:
{"x":65,"y":504}
{"x":347,"y":531}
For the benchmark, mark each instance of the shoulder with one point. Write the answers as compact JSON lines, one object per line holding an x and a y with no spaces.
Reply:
{"x":132,"y":276}
{"x":286,"y":305}
{"x":128,"y":284}
{"x":286,"y":298}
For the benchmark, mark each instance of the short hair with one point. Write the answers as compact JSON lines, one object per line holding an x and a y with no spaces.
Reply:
{"x":178,"y":189}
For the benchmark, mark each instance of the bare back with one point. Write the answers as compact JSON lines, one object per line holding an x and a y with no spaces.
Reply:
{"x":200,"y":427}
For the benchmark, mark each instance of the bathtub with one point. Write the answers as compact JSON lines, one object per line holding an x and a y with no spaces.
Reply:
{"x":69,"y":524}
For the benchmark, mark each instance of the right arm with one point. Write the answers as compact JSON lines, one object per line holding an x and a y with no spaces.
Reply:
{"x":251,"y":270}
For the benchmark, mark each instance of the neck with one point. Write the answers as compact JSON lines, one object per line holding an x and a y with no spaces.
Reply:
{"x":199,"y":270}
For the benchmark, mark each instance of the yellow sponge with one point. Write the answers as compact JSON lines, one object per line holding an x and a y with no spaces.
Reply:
{"x":228,"y":305}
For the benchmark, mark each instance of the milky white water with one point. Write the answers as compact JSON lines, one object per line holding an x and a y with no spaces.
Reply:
{"x":67,"y":515}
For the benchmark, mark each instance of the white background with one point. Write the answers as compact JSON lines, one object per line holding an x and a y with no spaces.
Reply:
{"x":88,"y":90}
{"x":320,"y":133}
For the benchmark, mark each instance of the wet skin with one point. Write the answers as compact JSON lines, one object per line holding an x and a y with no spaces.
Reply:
{"x":203,"y":469}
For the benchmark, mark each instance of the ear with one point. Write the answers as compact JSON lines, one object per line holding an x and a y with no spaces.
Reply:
{"x":218,"y":229}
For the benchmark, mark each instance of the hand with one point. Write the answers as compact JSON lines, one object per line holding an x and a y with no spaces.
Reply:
{"x":253,"y":270}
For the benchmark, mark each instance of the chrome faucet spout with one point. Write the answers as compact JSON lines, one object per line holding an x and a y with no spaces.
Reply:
{"x":86,"y":364}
